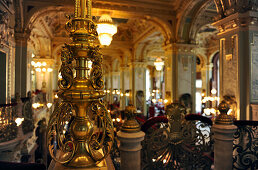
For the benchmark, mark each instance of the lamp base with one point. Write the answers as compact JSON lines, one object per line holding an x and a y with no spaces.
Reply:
{"x":57,"y":166}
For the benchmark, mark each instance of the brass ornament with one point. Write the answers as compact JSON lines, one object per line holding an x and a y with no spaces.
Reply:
{"x":223,"y":118}
{"x":130,"y":125}
{"x":80,"y":130}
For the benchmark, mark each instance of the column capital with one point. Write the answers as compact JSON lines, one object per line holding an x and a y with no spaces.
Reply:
{"x":21,"y":37}
{"x":124,"y":66}
{"x":226,"y":8}
{"x":138,"y":64}
{"x":179,"y":47}
{"x":247,"y":20}
{"x":115,"y":73}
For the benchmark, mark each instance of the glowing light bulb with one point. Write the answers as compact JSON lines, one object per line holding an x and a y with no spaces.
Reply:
{"x":19,"y":121}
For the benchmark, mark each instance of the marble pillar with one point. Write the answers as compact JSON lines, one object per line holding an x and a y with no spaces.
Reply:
{"x":132,"y":83}
{"x":138,"y":83}
{"x":238,"y":33}
{"x":180,"y":71}
{"x":122,"y":86}
{"x":206,"y":76}
{"x":21,"y":64}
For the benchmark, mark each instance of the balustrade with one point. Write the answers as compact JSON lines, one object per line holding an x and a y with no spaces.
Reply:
{"x":179,"y":141}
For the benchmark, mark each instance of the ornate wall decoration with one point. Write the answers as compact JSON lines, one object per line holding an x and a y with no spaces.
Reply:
{"x":226,"y":7}
{"x":4,"y":27}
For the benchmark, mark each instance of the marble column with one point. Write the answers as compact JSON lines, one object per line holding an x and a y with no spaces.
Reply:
{"x":138,"y":83}
{"x":238,"y":33}
{"x":132,"y":83}
{"x":171,"y":74}
{"x":111,"y":99}
{"x":206,"y":76}
{"x":122,"y":86}
{"x":21,"y":64}
{"x":180,"y":71}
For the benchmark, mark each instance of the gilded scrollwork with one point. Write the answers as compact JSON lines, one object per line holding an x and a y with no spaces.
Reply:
{"x":57,"y":137}
{"x":66,"y":69}
{"x":102,"y":139}
{"x":87,"y":137}
{"x":96,"y":72}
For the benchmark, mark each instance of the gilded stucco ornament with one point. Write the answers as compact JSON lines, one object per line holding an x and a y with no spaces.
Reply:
{"x":80,"y":130}
{"x":226,"y":8}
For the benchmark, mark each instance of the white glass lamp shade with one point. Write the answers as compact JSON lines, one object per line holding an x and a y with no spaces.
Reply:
{"x":106,"y":29}
{"x":105,"y":39}
{"x":159,"y":64}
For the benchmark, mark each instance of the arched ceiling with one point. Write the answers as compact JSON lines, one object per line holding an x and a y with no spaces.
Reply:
{"x":143,"y":25}
{"x":48,"y":35}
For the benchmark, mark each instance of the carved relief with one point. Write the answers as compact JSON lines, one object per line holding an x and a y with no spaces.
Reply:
{"x":4,"y":18}
{"x":131,"y":29}
{"x":226,"y":7}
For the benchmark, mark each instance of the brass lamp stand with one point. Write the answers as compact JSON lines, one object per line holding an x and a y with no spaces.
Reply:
{"x":80,"y":130}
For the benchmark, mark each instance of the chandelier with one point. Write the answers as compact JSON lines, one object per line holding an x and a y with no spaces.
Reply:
{"x":80,"y":130}
{"x":106,"y":29}
{"x":159,"y":64}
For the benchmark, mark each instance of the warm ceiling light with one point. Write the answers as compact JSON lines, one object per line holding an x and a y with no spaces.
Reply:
{"x":159,"y":64}
{"x":49,"y":69}
{"x":106,"y":29}
{"x":213,"y":91}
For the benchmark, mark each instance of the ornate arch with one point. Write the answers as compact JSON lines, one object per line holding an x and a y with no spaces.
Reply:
{"x":187,"y":19}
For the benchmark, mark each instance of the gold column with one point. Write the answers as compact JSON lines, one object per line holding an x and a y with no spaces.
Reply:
{"x":80,"y":124}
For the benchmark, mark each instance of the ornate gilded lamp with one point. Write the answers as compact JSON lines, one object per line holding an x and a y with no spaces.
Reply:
{"x":106,"y":29}
{"x":80,"y":130}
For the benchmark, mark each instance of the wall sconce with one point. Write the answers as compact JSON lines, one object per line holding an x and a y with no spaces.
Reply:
{"x":106,"y":29}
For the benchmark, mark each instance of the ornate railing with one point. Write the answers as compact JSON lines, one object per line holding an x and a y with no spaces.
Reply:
{"x":245,"y":148}
{"x":8,"y":128}
{"x":177,"y":142}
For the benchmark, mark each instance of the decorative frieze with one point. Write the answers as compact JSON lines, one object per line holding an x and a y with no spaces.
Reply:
{"x":237,"y":20}
{"x":4,"y":30}
{"x":181,"y":48}
{"x":228,"y":7}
